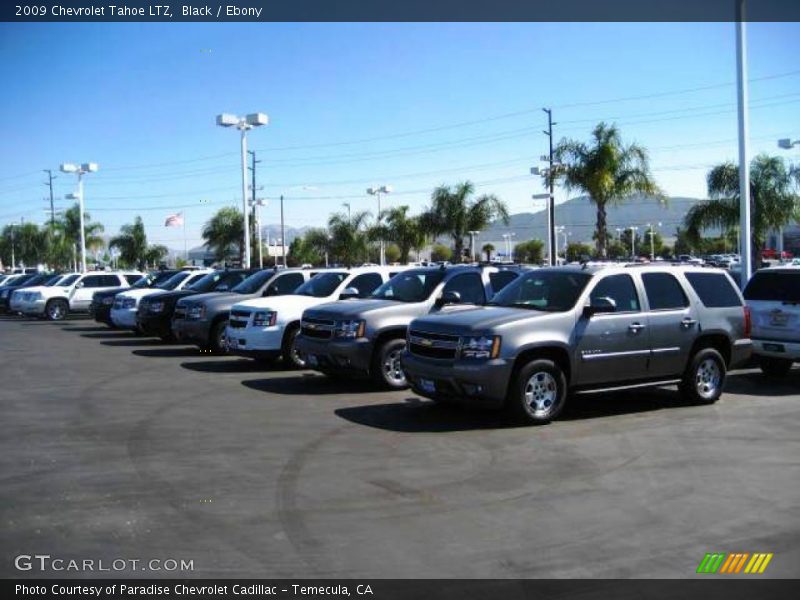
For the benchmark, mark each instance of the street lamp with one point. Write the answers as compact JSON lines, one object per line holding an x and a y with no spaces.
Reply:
{"x":258,"y":203}
{"x":633,"y":241}
{"x":652,"y":235}
{"x":563,"y":231}
{"x":472,"y":236}
{"x":786,"y":143}
{"x":507,"y":237}
{"x":378,"y":191}
{"x":80,"y":171}
{"x":243,"y":124}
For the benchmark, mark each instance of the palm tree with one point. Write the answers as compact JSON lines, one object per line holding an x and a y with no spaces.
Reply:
{"x":71,"y":225}
{"x":488,"y":249}
{"x":155,"y":254}
{"x":773,"y":203}
{"x":132,"y":243}
{"x":608,"y":171}
{"x":398,"y":227}
{"x":225,"y":230}
{"x":349,"y":240}
{"x":454,"y":212}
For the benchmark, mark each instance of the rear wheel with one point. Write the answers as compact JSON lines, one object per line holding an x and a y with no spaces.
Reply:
{"x":291,"y":356}
{"x":386,"y":368}
{"x":705,"y":377}
{"x":539,"y":392}
{"x":774,"y":367}
{"x":56,"y":310}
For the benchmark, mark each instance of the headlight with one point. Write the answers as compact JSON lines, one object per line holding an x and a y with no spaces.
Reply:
{"x":196,"y":312}
{"x":350,"y":329}
{"x":108,"y":300}
{"x":156,"y":307}
{"x":264,"y":319}
{"x":129,"y":303}
{"x":36,"y":296}
{"x":4,"y":294}
{"x":481,"y":346}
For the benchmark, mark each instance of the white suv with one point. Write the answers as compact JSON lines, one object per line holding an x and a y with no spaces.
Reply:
{"x":266,"y":328}
{"x":773,"y":296}
{"x":18,"y":296}
{"x":72,"y":294}
{"x":126,"y":304}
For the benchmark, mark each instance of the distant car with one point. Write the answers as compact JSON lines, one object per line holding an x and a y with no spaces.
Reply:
{"x":24,"y":281}
{"x":15,"y":299}
{"x":73,"y":294}
{"x":773,"y":296}
{"x":102,"y":301}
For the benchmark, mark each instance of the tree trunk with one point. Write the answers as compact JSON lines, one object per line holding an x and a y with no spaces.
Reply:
{"x":458,"y":249}
{"x":600,"y":232}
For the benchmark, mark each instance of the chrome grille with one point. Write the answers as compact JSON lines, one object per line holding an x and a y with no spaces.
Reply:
{"x":433,"y":345}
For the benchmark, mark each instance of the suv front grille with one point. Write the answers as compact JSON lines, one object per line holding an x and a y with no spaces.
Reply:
{"x":239,"y":319}
{"x":321,"y":329}
{"x":433,"y":345}
{"x":180,"y":312}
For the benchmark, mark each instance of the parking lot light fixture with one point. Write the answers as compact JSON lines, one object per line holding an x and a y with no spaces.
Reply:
{"x":787,"y":143}
{"x":80,"y":171}
{"x":378,"y":192}
{"x":243,"y":124}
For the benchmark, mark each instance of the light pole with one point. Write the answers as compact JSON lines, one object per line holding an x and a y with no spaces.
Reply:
{"x":633,"y":241}
{"x":347,"y":204}
{"x":563,"y":231}
{"x":257,"y":204}
{"x":745,"y":235}
{"x":80,"y":170}
{"x":243,"y":124}
{"x":507,"y":237}
{"x":472,"y":236}
{"x":378,"y":191}
{"x":652,"y":235}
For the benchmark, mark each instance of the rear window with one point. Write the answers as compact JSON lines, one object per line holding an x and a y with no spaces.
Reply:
{"x":775,"y":286}
{"x":714,"y":289}
{"x":501,"y":279}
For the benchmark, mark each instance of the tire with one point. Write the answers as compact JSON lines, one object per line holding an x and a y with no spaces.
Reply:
{"x":775,"y":367}
{"x":538,"y":393}
{"x":56,"y":309}
{"x":291,"y":357}
{"x":705,"y":377}
{"x":216,"y":341}
{"x":386,"y":370}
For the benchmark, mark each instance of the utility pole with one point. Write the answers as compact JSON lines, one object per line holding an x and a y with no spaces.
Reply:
{"x":13,"y":258}
{"x":52,"y":205}
{"x":551,"y":216}
{"x":253,"y":198}
{"x":283,"y":236}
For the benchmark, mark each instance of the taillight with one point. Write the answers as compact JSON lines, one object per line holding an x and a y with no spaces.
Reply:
{"x":748,"y":322}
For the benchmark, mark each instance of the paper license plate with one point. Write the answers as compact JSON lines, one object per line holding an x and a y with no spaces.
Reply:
{"x":427,"y":385}
{"x":312,"y":360}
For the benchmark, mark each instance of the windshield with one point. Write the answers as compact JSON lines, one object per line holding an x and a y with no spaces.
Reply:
{"x":54,"y":280}
{"x":172,"y":282}
{"x":255,"y":282}
{"x":38,"y":280}
{"x":321,"y":285}
{"x":776,"y":286}
{"x":22,"y":279}
{"x":410,"y":286}
{"x":69,"y":280}
{"x":550,"y":291}
{"x":216,"y":280}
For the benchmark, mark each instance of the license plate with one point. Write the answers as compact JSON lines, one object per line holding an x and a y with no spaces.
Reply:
{"x":774,"y":347}
{"x":779,"y":319}
{"x":427,"y":385}
{"x":312,"y":360}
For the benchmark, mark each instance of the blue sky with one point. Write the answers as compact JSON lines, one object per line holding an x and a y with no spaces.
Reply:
{"x":351,"y":105}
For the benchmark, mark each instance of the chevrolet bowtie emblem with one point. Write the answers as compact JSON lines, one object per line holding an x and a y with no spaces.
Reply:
{"x":426,"y":342}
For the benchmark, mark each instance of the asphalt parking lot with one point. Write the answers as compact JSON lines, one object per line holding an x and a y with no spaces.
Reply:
{"x":118,"y":446}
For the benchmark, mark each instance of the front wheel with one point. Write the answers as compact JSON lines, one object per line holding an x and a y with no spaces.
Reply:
{"x":386,"y":368}
{"x":775,"y":367}
{"x":291,"y":356}
{"x":217,"y":339}
{"x":704,"y":378}
{"x":57,"y":310}
{"x":539,"y":392}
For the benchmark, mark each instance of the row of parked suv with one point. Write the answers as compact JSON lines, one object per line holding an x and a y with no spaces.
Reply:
{"x":491,"y":336}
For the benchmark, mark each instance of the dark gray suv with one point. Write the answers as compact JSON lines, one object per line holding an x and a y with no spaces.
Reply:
{"x":367,"y":337}
{"x":583,"y":329}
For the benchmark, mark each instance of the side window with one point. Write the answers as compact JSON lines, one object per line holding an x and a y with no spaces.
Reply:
{"x":366,"y":283}
{"x":469,"y":286}
{"x":131,"y":278}
{"x":93,"y":281}
{"x":620,"y":289}
{"x":112,"y":281}
{"x":193,"y":279}
{"x":715,"y":289}
{"x":501,"y":279}
{"x":284,"y":284}
{"x":664,"y":292}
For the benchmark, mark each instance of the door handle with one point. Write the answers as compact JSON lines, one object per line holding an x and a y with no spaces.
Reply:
{"x":635,"y":327}
{"x":687,"y":323}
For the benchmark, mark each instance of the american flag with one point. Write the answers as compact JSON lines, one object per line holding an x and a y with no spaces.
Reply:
{"x":175,"y":220}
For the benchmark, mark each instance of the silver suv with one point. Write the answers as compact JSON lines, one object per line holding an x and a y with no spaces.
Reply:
{"x":367,"y":337}
{"x":583,"y":329}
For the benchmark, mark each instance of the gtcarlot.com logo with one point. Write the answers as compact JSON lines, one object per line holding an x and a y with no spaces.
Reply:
{"x":46,"y":562}
{"x":734,"y":563}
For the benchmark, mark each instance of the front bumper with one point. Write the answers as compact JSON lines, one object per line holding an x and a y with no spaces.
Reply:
{"x":33,"y":307}
{"x":4,"y":304}
{"x":101,"y":313}
{"x":351,"y":355}
{"x":124,"y":317}
{"x":479,"y":383}
{"x":157,"y":324}
{"x":254,"y":341}
{"x":192,"y":332}
{"x":777,"y":348}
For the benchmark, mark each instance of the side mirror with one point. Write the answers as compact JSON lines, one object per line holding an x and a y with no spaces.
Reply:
{"x":348,"y":293}
{"x":79,"y":285}
{"x":599,"y":306}
{"x":448,"y":298}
